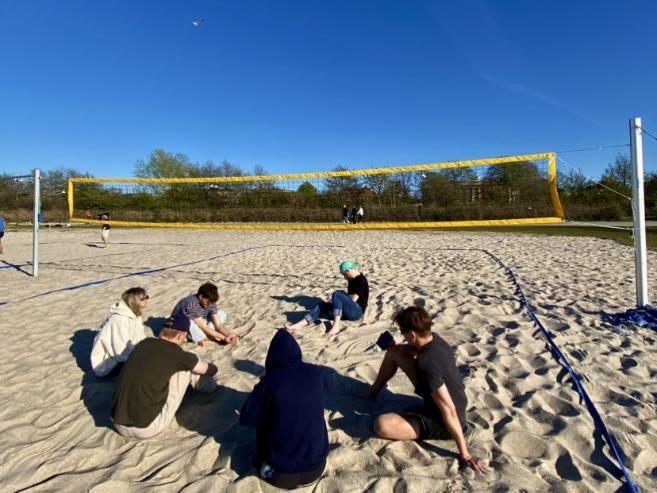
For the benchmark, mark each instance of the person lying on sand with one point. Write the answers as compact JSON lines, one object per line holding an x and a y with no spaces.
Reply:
{"x":428,"y":362}
{"x":206,"y":320}
{"x":350,"y":305}
{"x":287,"y":409}
{"x":153,"y":382}
{"x":121,"y":331}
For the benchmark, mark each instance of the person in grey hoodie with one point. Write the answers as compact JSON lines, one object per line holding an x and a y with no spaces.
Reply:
{"x":287,"y":409}
{"x":120,"y":332}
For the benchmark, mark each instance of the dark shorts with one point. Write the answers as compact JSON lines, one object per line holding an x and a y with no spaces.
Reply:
{"x":2,"y":233}
{"x":432,"y":427}
{"x":292,"y":481}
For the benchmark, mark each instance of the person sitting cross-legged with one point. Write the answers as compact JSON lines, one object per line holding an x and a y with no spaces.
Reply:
{"x":206,"y":321}
{"x":287,"y":409}
{"x":121,"y":331}
{"x":428,"y":362}
{"x":153,"y":382}
{"x":348,"y":306}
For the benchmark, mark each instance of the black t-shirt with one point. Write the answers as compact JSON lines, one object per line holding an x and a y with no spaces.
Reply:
{"x":358,"y":285}
{"x":144,"y":382}
{"x":104,"y":217}
{"x":435,"y":365}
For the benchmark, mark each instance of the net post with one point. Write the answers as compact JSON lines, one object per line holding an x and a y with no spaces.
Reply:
{"x":638,"y":209}
{"x":35,"y":223}
{"x":69,"y":198}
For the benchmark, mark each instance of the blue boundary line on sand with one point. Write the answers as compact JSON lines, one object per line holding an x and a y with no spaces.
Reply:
{"x":151,"y":271}
{"x":554,"y":349}
{"x":130,"y":274}
{"x":13,"y":266}
{"x":614,"y":446}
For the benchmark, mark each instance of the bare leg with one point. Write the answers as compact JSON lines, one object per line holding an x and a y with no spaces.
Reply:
{"x":299,"y":325}
{"x":399,"y":357}
{"x":395,"y":426}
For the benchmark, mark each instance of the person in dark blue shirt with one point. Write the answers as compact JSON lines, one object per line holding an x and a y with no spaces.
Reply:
{"x":287,"y":409}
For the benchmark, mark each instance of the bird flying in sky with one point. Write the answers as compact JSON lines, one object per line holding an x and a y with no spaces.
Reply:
{"x":198,"y":22}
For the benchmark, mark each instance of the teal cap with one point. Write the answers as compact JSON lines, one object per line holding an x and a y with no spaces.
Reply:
{"x":346,"y":265}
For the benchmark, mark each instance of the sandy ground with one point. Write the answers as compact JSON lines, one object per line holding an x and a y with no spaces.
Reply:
{"x":55,"y":432}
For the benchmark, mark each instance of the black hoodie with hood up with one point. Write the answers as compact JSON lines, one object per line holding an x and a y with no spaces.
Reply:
{"x":287,"y":409}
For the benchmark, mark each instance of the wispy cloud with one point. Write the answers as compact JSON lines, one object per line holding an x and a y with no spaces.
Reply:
{"x":533,"y":94}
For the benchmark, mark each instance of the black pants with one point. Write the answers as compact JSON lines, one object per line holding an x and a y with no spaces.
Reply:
{"x":291,"y":481}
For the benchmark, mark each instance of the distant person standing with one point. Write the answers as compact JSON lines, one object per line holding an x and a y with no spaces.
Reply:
{"x":345,"y":214}
{"x":105,"y":228}
{"x":2,"y":232}
{"x":353,"y":214}
{"x":360,"y":215}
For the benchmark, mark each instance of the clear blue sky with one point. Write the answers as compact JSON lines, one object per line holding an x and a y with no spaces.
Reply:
{"x":306,"y":85}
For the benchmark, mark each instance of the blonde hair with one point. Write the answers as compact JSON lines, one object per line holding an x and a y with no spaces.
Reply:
{"x":132,"y":297}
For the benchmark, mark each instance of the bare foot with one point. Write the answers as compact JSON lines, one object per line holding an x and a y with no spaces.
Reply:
{"x":334,"y":330}
{"x":301,"y":323}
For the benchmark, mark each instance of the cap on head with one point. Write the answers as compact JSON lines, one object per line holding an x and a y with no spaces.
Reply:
{"x":346,"y":265}
{"x":179,"y":322}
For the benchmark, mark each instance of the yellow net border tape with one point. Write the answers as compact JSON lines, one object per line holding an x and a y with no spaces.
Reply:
{"x":552,"y":182}
{"x":331,"y":226}
{"x":326,"y":174}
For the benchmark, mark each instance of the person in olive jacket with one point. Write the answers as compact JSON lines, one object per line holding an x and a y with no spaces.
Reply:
{"x":287,"y":409}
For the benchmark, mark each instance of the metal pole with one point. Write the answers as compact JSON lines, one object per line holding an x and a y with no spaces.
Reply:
{"x":35,"y":223}
{"x":640,"y":258}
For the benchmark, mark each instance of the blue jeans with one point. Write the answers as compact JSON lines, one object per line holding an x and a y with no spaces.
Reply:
{"x":341,"y":305}
{"x":195,"y":332}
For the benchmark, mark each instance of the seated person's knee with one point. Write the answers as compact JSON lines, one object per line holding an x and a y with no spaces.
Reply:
{"x":380,"y":426}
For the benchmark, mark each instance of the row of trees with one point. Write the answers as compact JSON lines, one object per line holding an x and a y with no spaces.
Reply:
{"x":518,"y":190}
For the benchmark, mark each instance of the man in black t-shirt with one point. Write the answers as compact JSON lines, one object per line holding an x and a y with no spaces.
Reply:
{"x":428,"y":362}
{"x":349,"y":306}
{"x":153,"y":382}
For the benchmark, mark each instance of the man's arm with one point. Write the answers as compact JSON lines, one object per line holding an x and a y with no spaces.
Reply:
{"x":227,"y":335}
{"x":451,"y":419}
{"x":203,"y":325}
{"x":205,"y":368}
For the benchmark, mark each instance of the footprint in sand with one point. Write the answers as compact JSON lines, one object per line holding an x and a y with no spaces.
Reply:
{"x":523,"y":444}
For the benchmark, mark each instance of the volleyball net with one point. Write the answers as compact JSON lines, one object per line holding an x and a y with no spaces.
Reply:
{"x":511,"y":190}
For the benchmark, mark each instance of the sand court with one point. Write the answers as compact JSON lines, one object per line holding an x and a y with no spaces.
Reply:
{"x":528,"y":421}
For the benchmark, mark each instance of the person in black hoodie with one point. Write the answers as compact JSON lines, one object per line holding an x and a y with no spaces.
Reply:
{"x":287,"y":409}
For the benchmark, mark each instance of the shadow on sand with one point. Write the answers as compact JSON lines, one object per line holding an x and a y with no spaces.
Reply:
{"x":18,"y":267}
{"x":96,"y":392}
{"x":307,"y":302}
